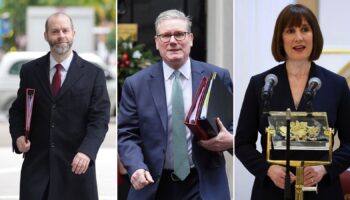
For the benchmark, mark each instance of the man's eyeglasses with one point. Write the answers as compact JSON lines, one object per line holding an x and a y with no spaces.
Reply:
{"x":177,"y":35}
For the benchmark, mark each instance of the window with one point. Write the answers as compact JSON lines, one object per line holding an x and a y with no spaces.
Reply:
{"x":16,"y":68}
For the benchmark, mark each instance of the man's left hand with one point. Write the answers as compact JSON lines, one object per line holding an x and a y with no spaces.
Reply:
{"x":221,"y":142}
{"x":80,"y":163}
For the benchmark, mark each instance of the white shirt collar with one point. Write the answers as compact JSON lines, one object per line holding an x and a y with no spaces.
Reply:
{"x":184,"y":69}
{"x":65,"y":63}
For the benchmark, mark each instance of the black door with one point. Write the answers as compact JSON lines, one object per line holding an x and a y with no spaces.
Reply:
{"x":144,"y":13}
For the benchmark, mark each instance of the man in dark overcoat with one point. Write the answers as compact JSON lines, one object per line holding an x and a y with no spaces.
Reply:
{"x":70,"y":118}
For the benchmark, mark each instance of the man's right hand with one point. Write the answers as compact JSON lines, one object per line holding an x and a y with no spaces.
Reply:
{"x":22,"y":145}
{"x":141,"y":178}
{"x":277,"y":174}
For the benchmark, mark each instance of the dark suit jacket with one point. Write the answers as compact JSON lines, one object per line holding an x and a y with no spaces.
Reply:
{"x":142,"y":131}
{"x":333,"y":98}
{"x":74,"y":121}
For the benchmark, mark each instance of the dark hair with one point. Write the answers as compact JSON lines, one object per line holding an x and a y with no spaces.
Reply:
{"x":292,"y":16}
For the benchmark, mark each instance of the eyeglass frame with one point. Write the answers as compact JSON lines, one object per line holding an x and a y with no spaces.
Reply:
{"x":160,"y":36}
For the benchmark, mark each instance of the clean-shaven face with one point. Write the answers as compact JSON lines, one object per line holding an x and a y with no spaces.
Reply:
{"x":298,"y":42}
{"x":175,"y":53}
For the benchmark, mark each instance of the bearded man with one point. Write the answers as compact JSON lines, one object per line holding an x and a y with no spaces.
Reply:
{"x":70,"y":118}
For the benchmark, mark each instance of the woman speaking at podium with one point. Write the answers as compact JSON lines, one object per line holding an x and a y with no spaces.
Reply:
{"x":297,"y":42}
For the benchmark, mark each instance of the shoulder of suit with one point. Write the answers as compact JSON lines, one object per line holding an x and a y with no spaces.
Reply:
{"x":339,"y":82}
{"x":149,"y":70}
{"x":86,"y":64}
{"x":36,"y":62}
{"x":207,"y":66}
{"x":326,"y":72}
{"x":277,"y":70}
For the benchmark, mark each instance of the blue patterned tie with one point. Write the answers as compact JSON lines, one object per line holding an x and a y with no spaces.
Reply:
{"x":181,"y":163}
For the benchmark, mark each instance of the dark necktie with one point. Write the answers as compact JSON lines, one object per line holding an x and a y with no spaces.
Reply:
{"x":181,"y":163}
{"x":56,"y":80}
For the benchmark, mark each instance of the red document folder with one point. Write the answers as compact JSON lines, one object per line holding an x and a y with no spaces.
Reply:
{"x":30,"y":94}
{"x":191,"y":120}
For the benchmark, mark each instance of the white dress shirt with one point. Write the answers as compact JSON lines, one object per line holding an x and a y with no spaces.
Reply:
{"x":65,"y":66}
{"x":186,"y":84}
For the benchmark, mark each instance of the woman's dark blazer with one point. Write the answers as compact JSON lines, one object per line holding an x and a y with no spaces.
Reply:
{"x":333,"y":98}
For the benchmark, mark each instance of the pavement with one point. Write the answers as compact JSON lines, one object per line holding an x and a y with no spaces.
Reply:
{"x":10,"y":165}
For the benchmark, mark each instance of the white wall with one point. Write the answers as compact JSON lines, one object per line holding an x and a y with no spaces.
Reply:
{"x":334,"y":17}
{"x":334,"y":20}
{"x":220,"y":50}
{"x":254,"y":24}
{"x":83,"y":20}
{"x":219,"y":33}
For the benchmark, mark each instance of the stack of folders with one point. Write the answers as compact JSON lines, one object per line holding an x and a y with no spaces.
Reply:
{"x":212,"y":100}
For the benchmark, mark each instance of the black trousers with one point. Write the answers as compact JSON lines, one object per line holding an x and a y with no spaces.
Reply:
{"x":171,"y":188}
{"x":46,"y":193}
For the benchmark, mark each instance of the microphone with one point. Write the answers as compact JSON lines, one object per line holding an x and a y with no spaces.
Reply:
{"x":314,"y":85}
{"x":271,"y":80}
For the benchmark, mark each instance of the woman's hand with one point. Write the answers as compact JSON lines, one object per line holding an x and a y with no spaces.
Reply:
{"x":313,"y":175}
{"x":277,"y":174}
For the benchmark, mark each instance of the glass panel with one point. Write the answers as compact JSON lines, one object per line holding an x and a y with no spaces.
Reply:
{"x":307,"y":132}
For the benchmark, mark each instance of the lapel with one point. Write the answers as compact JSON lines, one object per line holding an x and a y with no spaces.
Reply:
{"x":75,"y":72}
{"x":198,"y":72}
{"x":157,"y":87}
{"x":41,"y":68}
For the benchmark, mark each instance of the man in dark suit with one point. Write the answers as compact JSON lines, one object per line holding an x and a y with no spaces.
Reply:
{"x":69,"y":119}
{"x":149,"y":121}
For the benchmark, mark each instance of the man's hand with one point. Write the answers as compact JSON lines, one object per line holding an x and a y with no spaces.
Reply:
{"x":277,"y":174}
{"x":141,"y":178}
{"x":22,"y":145}
{"x":313,"y":175}
{"x":221,"y":142}
{"x":80,"y":163}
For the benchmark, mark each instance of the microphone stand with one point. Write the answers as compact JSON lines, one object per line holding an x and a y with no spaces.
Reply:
{"x":299,"y":185}
{"x":287,"y":185}
{"x":308,"y":106}
{"x":266,"y":106}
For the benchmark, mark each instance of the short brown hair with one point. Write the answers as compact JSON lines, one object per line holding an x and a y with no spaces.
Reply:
{"x":292,"y":16}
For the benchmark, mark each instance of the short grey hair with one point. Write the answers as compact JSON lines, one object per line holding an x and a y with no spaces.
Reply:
{"x":56,"y":14}
{"x":173,"y":14}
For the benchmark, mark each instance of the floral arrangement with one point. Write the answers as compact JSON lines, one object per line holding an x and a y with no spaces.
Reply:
{"x":132,"y":57}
